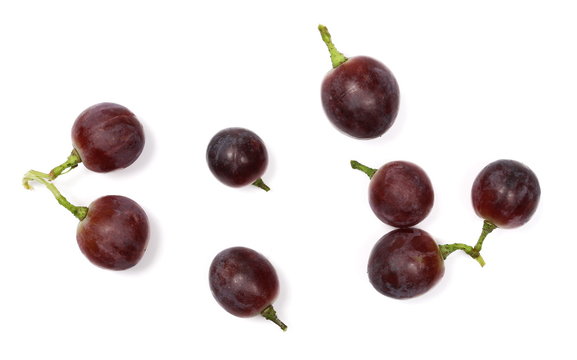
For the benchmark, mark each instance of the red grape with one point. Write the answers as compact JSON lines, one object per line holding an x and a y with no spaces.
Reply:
{"x":405,"y":263}
{"x":244,"y":283}
{"x":114,"y":233}
{"x":237,"y":157}
{"x":360,"y":95}
{"x":400,"y":193}
{"x":506,"y":193}
{"x":107,"y":137}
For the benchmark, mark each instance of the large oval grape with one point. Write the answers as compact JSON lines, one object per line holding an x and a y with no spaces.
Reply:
{"x":361,"y":97}
{"x":243,"y":281}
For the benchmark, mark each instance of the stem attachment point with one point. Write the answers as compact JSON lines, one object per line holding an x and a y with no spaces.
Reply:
{"x":71,"y":162}
{"x":269,"y":313}
{"x":260,"y":184}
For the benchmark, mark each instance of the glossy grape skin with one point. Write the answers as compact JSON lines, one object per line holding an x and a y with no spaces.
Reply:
{"x":506,"y":193}
{"x":237,"y":156}
{"x":405,"y":263}
{"x":107,"y":137}
{"x":401,"y":194}
{"x":243,"y":281}
{"x":114,"y":233}
{"x":361,"y":97}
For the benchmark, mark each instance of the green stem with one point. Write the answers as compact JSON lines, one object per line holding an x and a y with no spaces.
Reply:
{"x":447,"y":249}
{"x":337,"y":58}
{"x":70,"y":163}
{"x":33,"y":175}
{"x":269,"y":313}
{"x":474,"y":252}
{"x":79,"y":211}
{"x":259,"y":183}
{"x":488,"y":227}
{"x":367,"y":170}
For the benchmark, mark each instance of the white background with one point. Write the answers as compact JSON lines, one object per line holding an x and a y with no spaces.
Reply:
{"x":480,"y":81}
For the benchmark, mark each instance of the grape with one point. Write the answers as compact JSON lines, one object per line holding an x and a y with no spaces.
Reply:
{"x":400,"y":193}
{"x":107,"y":137}
{"x":113,"y":230}
{"x":405,"y":263}
{"x":360,"y":95}
{"x":244,"y":283}
{"x":114,"y":233}
{"x":237,"y":157}
{"x":506,"y":193}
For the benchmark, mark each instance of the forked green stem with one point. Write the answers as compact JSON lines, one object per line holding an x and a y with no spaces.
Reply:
{"x":79,"y":211}
{"x":367,"y":170}
{"x":337,"y":58}
{"x":269,"y":313}
{"x":447,"y":249}
{"x":70,"y":163}
{"x":474,"y":252}
{"x":259,"y":183}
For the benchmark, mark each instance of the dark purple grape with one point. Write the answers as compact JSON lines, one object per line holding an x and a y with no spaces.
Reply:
{"x":360,"y":95}
{"x":244,"y":283}
{"x":506,"y":193}
{"x":107,"y":137}
{"x":400,"y":193}
{"x":114,"y":233}
{"x":405,"y":263}
{"x":237,"y":157}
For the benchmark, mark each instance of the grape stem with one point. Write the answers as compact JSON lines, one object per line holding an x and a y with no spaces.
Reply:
{"x":474,"y":252}
{"x":71,"y":162}
{"x":260,"y":184}
{"x":79,"y":211}
{"x":447,"y":249}
{"x":269,"y":313}
{"x":488,"y":227}
{"x":367,"y":170}
{"x":337,"y":58}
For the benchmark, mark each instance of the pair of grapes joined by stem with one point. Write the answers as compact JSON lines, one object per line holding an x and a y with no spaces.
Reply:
{"x":407,"y":262}
{"x":113,"y":230}
{"x":237,"y":157}
{"x":245,"y":283}
{"x":360,"y":95}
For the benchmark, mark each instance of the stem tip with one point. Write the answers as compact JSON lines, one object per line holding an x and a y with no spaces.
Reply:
{"x":260,"y":184}
{"x":269,"y":313}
